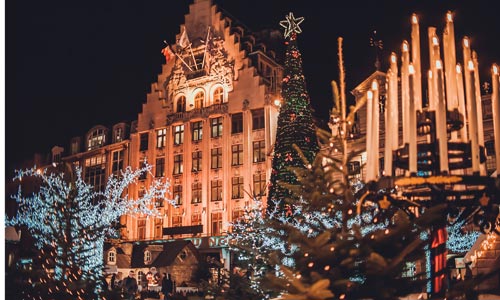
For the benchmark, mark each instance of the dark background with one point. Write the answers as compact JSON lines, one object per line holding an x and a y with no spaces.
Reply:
{"x":71,"y":65}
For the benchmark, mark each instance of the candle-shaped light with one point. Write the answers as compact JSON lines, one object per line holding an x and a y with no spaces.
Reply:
{"x":412,"y":151}
{"x":415,"y":57}
{"x":391,"y":115}
{"x":450,"y":62}
{"x":495,"y":101}
{"x":461,"y":101}
{"x":441,"y":127}
{"x":479,"y":106}
{"x":370,"y":161}
{"x":472,"y":114}
{"x":405,"y":94}
{"x":430,"y":90}
{"x":433,"y":57}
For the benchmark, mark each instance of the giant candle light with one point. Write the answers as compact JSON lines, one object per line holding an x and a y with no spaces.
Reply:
{"x":479,"y":107}
{"x":412,"y":151}
{"x":415,"y":57}
{"x":370,"y":161}
{"x":433,"y":57}
{"x":391,"y":117}
{"x":472,"y":113}
{"x":495,"y":101}
{"x":461,"y":102}
{"x":405,"y":61}
{"x":441,"y":131}
{"x":450,"y":62}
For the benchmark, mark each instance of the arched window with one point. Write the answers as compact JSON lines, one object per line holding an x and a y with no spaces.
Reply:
{"x":198,"y":99}
{"x":112,"y":257}
{"x":218,"y":95}
{"x":96,"y":139}
{"x":181,"y":104}
{"x":147,"y":256}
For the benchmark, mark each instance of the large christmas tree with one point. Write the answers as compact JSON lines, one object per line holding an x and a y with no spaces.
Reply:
{"x":295,"y":122}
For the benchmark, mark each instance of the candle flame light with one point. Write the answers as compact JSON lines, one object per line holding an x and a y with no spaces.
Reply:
{"x":393,"y":57}
{"x":374,"y":85}
{"x":369,"y":94}
{"x":439,"y":64}
{"x":449,"y":17}
{"x":429,"y":74}
{"x":411,"y":69}
{"x":435,"y":40}
{"x":405,"y":46}
{"x":471,"y":65}
{"x":495,"y":69}
{"x":466,"y":42}
{"x":459,"y":69}
{"x":414,"y":19}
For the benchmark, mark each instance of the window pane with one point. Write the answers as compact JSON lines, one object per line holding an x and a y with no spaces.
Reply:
{"x":258,"y":119}
{"x":237,"y":123}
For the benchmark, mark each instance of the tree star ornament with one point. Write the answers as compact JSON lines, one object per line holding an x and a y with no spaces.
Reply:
{"x":291,"y":24}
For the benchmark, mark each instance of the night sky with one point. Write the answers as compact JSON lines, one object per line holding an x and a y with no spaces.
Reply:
{"x":71,"y":65}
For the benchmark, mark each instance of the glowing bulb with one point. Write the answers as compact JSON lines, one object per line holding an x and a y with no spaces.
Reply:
{"x":393,"y":57}
{"x":429,"y":74}
{"x":310,"y":265}
{"x":466,"y":42}
{"x":411,"y":69}
{"x":405,"y":46}
{"x":306,"y":254}
{"x":435,"y":40}
{"x":458,"y":68}
{"x":449,"y":16}
{"x":332,"y":248}
{"x":369,"y":95}
{"x":471,"y":65}
{"x":439,"y":64}
{"x":277,"y":102}
{"x":495,"y":69}
{"x":327,"y":268}
{"x":375,"y":85}
{"x":414,"y":19}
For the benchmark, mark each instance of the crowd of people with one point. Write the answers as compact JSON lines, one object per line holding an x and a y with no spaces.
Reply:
{"x":130,"y":288}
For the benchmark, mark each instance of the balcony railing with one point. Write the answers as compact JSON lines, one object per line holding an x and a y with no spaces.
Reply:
{"x":203,"y":112}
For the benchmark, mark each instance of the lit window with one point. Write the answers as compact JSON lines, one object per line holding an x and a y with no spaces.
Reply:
{"x":216,"y":190}
{"x":117,"y":164}
{"x":259,"y":184}
{"x":237,"y":187}
{"x":147,"y":256}
{"x":178,"y":167}
{"x":197,"y":131}
{"x":160,"y":167}
{"x":196,"y":192}
{"x":95,"y":172}
{"x":196,"y":161}
{"x":181,"y":104}
{"x":118,"y":135}
{"x":236,"y":123}
{"x":238,"y":214}
{"x":198,"y":99}
{"x":216,"y":124}
{"x":161,"y":135}
{"x":96,"y":139}
{"x":196,"y":219}
{"x":259,"y":151}
{"x":216,"y":223}
{"x":216,"y":158}
{"x":178,"y":194}
{"x":111,"y":257}
{"x":178,"y":134}
{"x":258,"y":119}
{"x":237,"y":158}
{"x":218,"y":95}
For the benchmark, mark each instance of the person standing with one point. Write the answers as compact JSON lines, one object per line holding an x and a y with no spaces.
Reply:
{"x":130,"y":286}
{"x":167,"y":286}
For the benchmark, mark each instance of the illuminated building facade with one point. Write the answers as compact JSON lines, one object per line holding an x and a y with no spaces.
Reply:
{"x":207,"y":126}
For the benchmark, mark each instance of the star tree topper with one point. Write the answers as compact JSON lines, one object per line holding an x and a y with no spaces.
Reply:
{"x":291,"y":24}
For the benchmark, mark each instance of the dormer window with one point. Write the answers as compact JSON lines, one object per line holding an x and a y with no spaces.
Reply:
{"x":112,"y":257}
{"x":147,"y":257}
{"x":96,"y":139}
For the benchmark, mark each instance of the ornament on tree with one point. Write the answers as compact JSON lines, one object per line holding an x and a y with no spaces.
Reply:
{"x":293,"y":117}
{"x":291,"y":25}
{"x":289,"y":157}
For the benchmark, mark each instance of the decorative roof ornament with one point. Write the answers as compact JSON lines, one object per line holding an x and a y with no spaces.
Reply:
{"x":291,"y":25}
